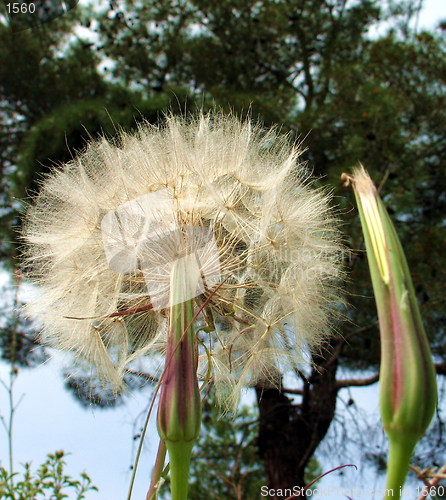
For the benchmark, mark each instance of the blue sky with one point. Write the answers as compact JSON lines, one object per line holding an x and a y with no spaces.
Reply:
{"x":100,"y":442}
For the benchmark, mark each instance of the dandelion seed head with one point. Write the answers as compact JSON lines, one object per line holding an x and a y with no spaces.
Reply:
{"x":233,"y":198}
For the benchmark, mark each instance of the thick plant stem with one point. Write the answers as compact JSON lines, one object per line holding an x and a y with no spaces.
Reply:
{"x":179,"y":456}
{"x":400,"y":452}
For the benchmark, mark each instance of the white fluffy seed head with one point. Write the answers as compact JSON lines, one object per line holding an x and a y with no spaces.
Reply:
{"x":278,"y":252}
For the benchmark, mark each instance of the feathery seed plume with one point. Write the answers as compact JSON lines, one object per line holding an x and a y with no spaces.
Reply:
{"x":262,"y":247}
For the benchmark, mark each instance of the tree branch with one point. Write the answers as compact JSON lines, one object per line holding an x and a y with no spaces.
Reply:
{"x":293,"y":391}
{"x":357,"y":382}
{"x":360,"y":382}
{"x":441,"y":368}
{"x":142,"y":374}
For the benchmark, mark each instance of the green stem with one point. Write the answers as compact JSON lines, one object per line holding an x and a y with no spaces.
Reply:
{"x":400,"y":452}
{"x":179,"y":456}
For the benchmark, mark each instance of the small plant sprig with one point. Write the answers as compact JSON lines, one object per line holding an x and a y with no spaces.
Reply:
{"x":48,"y":481}
{"x":408,"y":389}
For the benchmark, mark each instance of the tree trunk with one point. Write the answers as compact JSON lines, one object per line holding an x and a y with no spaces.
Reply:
{"x":289,"y":433}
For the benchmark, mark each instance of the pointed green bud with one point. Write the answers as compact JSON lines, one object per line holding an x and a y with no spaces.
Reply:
{"x":408,"y":390}
{"x":179,"y":411}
